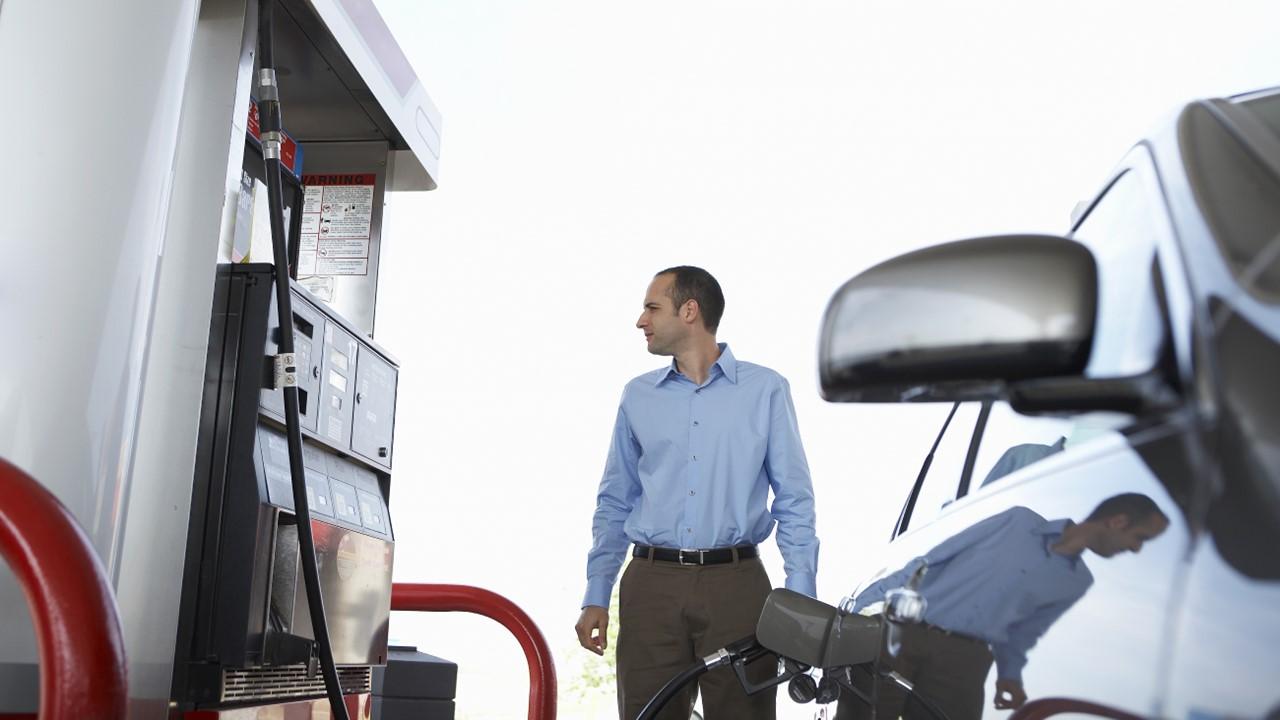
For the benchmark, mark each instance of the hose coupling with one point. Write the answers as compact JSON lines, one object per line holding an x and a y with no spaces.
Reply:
{"x":717,"y":658}
{"x":286,"y":367}
{"x":271,"y":140}
{"x":268,"y":88}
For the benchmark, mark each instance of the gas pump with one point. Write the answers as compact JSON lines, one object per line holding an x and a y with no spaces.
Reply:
{"x":168,"y":336}
{"x":287,"y":587}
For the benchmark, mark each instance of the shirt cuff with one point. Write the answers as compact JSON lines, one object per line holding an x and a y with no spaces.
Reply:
{"x":598,"y":592}
{"x":803,"y":583}
{"x":1007,"y":667}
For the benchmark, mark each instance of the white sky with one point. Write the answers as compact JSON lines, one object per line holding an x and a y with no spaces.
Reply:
{"x":784,"y":147}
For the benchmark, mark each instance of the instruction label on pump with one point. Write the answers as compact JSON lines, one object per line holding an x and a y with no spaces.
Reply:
{"x":337,"y":217}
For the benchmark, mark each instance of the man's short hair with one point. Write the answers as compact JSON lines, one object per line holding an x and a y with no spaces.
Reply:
{"x":1134,"y":506}
{"x":694,"y":283}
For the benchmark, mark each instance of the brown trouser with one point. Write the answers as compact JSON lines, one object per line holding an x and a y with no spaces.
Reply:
{"x":672,"y":615}
{"x":949,"y":670}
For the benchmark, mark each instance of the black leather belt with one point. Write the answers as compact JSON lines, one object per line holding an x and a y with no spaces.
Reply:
{"x":718,"y":556}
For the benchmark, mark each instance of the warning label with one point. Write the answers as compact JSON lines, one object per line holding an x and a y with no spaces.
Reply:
{"x":337,"y":214}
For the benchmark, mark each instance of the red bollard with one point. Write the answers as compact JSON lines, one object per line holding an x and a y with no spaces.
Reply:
{"x":82,"y":663}
{"x":464,"y":598}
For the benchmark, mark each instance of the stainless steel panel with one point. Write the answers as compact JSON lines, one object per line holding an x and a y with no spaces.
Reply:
{"x":355,"y":581}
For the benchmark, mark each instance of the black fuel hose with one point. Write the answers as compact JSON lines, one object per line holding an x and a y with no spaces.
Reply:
{"x":737,"y":653}
{"x":668,"y":691}
{"x":270,"y":124}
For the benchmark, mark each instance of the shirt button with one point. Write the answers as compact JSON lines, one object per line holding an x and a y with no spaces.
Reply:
{"x":688,"y":529}
{"x":692,"y":492}
{"x":695,"y":423}
{"x":699,"y":390}
{"x":695,"y":458}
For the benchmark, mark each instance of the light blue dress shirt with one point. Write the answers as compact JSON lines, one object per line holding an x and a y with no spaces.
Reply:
{"x":691,"y":466}
{"x":997,"y":581}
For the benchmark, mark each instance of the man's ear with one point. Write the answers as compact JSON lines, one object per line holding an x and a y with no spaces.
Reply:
{"x":1117,"y":522}
{"x":689,"y":311}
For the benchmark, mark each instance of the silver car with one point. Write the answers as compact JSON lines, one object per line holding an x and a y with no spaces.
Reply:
{"x":1097,"y":528}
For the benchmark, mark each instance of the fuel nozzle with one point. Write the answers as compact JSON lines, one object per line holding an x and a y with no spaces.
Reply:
{"x":814,"y":633}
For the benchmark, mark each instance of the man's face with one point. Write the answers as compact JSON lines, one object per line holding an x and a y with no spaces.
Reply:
{"x":662,"y":326}
{"x":1123,"y":535}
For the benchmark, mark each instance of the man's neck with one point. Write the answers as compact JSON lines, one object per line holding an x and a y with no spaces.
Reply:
{"x":695,"y":361}
{"x":1075,"y":538}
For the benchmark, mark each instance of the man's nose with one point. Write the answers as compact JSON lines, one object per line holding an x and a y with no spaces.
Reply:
{"x":640,"y":321}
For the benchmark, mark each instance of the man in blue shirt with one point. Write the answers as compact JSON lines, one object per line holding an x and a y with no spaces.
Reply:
{"x":992,"y":591}
{"x":696,"y":449}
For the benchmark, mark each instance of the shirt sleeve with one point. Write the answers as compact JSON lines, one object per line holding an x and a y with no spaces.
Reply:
{"x":619,"y":489}
{"x":793,"y":505}
{"x":1011,"y":655}
{"x":938,"y":557}
{"x":876,"y":590}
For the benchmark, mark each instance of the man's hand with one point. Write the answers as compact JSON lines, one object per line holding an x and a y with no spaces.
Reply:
{"x":1009,"y":694}
{"x":595,"y":618}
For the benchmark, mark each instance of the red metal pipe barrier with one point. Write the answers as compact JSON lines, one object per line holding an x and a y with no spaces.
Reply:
{"x":82,"y":666}
{"x":1047,"y":707}
{"x":464,"y":598}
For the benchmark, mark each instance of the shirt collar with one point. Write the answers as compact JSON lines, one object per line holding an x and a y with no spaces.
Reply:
{"x":1051,"y":530}
{"x":726,"y":362}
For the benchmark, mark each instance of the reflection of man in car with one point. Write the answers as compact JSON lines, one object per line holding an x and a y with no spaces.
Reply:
{"x":1020,"y":456}
{"x":992,"y":591}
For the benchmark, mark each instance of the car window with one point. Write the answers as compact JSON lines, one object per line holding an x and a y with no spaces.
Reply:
{"x":942,"y":481}
{"x":1267,"y":108}
{"x":1121,"y":230}
{"x":1011,"y":442}
{"x":1236,"y":189}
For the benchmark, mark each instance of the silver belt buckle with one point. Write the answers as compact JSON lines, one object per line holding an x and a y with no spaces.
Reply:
{"x":697,"y":562}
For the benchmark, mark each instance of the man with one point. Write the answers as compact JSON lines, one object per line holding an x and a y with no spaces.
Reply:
{"x":696,"y":448}
{"x":993,"y":590}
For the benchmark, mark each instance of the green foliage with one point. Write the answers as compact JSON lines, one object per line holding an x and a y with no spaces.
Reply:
{"x":595,"y":675}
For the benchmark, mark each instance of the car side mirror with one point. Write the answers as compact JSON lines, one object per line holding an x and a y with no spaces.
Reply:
{"x":961,"y":321}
